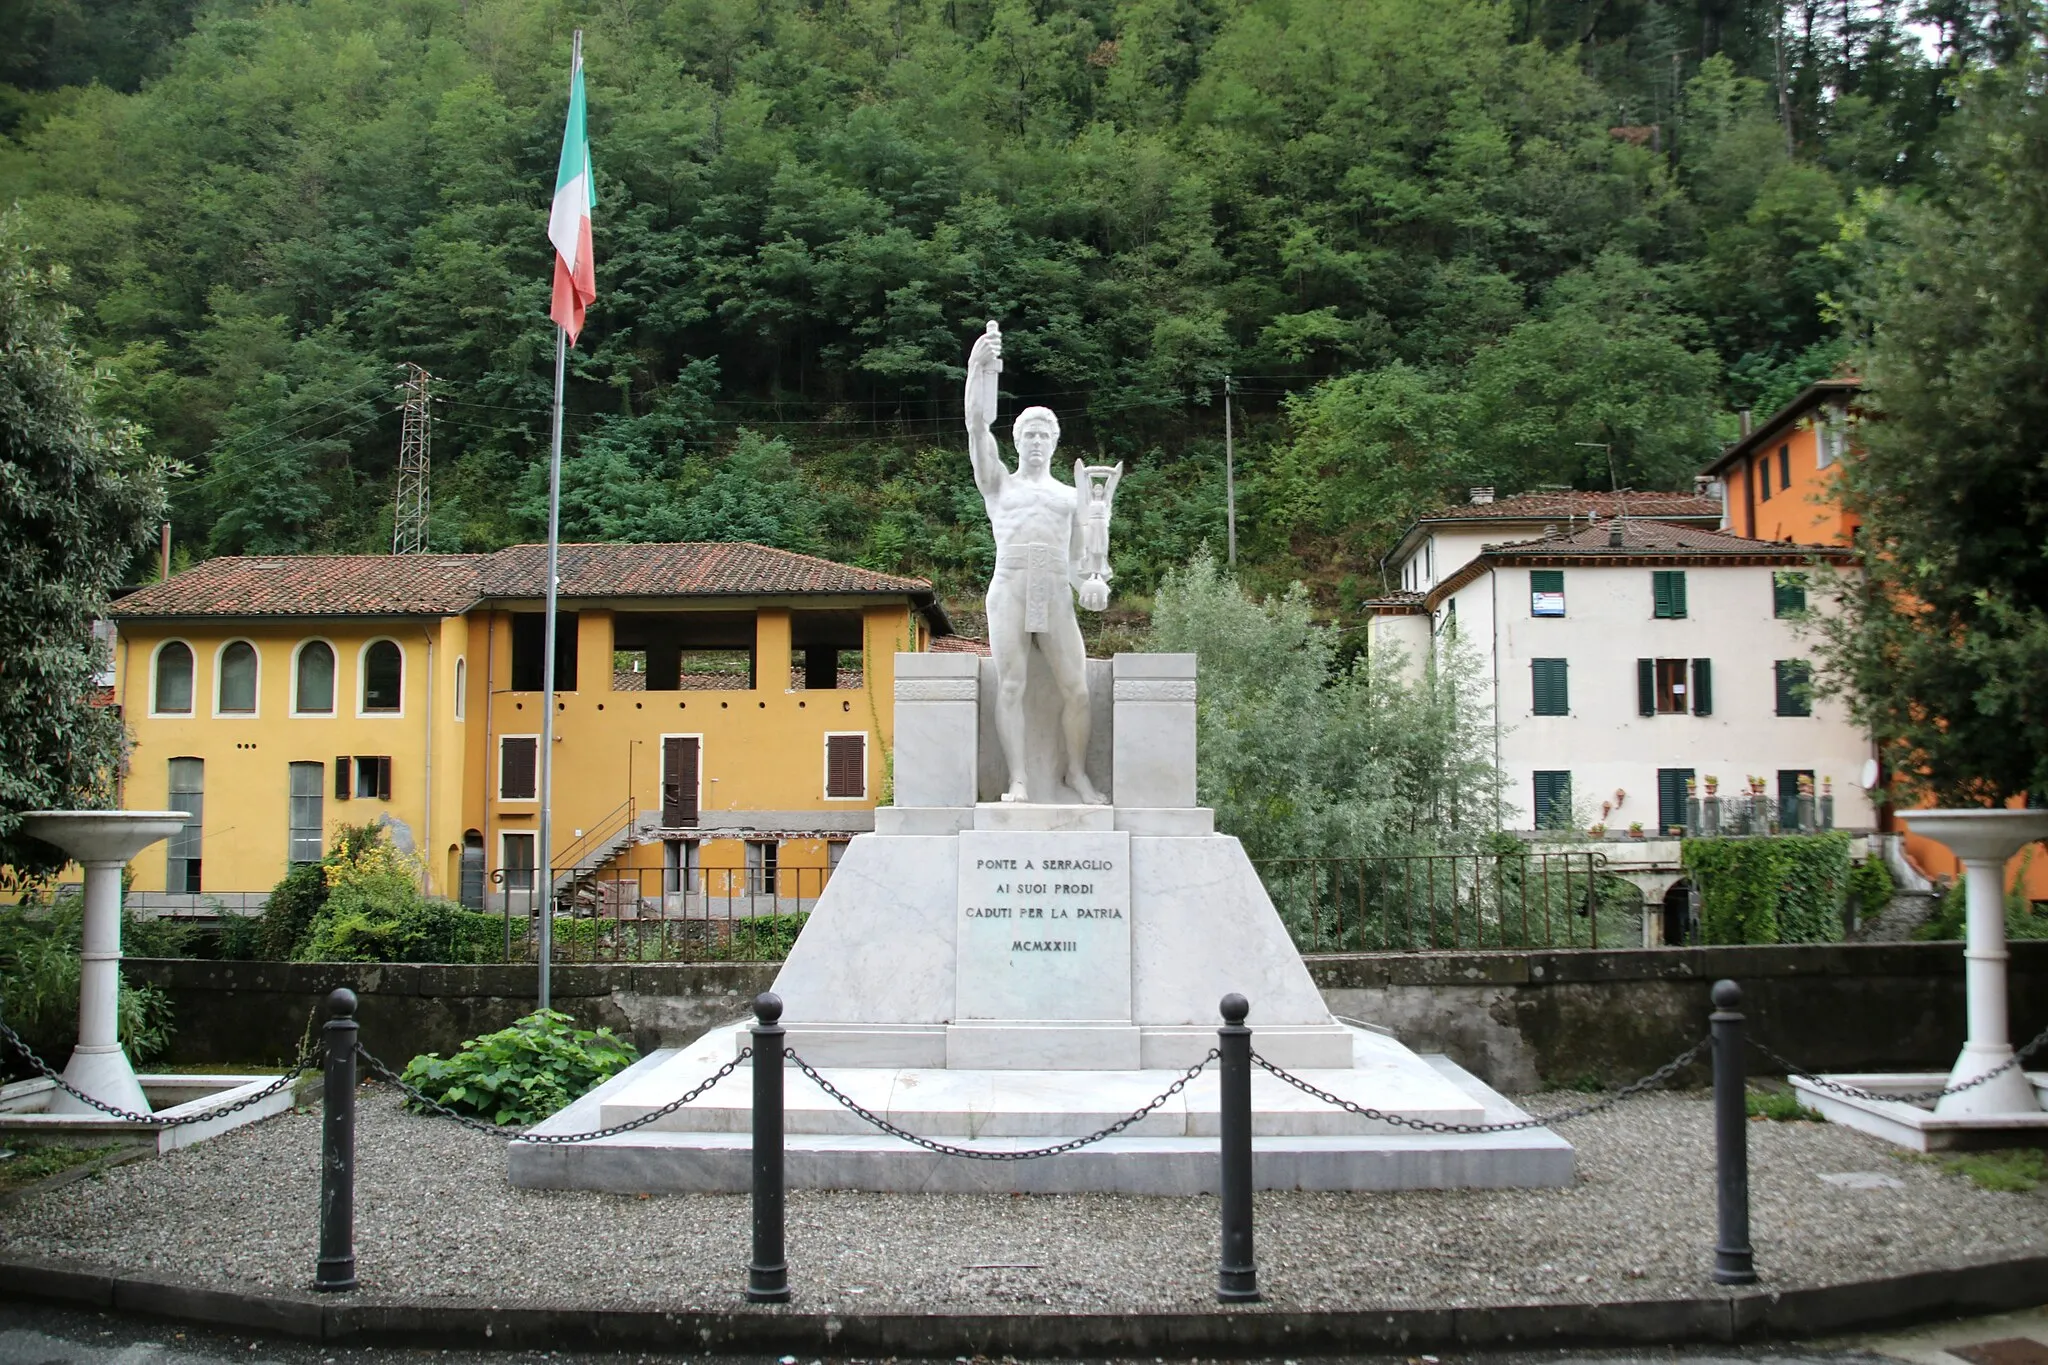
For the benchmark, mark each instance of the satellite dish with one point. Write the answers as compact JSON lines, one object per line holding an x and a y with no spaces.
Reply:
{"x":1869,"y":774}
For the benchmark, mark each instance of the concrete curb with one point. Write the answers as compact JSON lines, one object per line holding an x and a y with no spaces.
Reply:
{"x":1860,"y":1305}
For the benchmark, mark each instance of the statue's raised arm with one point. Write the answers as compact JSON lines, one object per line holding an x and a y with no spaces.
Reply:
{"x":984,"y":363}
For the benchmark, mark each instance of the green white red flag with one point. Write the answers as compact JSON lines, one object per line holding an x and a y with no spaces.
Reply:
{"x":569,"y":222}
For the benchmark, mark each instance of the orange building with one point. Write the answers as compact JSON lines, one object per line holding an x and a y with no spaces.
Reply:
{"x":1779,"y":482}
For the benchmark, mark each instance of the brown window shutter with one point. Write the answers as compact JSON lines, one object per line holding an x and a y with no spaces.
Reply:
{"x":344,"y":781}
{"x":384,"y":778}
{"x":846,"y":765}
{"x":518,"y":756}
{"x":679,"y":763}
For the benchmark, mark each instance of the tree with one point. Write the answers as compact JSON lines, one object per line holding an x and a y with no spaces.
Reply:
{"x":1305,"y":753}
{"x":1942,"y":645}
{"x":78,"y":498}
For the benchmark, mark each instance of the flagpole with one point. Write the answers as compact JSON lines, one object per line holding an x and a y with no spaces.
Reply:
{"x":546,"y":870}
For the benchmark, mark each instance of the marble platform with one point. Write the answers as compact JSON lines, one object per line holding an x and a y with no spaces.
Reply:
{"x":1299,"y":1142}
{"x":1919,"y":1128}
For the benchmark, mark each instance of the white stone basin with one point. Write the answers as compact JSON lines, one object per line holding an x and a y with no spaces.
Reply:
{"x":103,"y":836}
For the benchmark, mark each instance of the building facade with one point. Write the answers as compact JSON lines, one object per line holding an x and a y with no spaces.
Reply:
{"x":1629,"y":663}
{"x":722,"y":716}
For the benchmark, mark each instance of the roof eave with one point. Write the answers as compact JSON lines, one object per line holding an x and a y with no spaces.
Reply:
{"x":1771,"y":427}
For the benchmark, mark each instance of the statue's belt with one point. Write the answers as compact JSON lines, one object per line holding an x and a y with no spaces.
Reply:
{"x":1045,"y":572}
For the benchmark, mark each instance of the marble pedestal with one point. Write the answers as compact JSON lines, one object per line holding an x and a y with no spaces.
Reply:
{"x":989,"y":972}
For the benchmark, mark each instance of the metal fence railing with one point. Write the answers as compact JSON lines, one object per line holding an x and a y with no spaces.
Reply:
{"x":658,"y":914}
{"x":1453,"y":901}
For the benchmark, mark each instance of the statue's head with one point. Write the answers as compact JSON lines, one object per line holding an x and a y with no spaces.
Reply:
{"x":1036,"y":434}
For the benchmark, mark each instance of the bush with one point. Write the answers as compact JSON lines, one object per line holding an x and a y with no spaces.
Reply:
{"x":522,"y":1074}
{"x":374,"y":911}
{"x":1951,"y":914}
{"x":765,"y":938}
{"x":39,"y":968}
{"x":1871,"y":886}
{"x":300,"y":896}
{"x":1785,"y":889}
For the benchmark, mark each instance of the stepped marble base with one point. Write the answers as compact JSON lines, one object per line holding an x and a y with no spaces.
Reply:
{"x":1300,"y":1142}
{"x":28,"y":1112}
{"x":1924,"y":1130}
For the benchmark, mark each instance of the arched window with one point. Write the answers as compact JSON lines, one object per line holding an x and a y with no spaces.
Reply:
{"x":313,"y":693}
{"x":461,"y":687}
{"x":383,"y":678}
{"x":174,"y":679}
{"x":237,"y":695}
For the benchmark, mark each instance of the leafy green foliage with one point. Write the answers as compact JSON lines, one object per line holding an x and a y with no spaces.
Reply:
{"x":375,"y":911}
{"x":806,"y":211}
{"x":40,"y":949}
{"x":1952,"y":913}
{"x":520,"y":1075}
{"x":1871,"y":886}
{"x":78,"y":497}
{"x":1780,"y":889}
{"x":1943,"y":636}
{"x":1780,"y":1106}
{"x":1307,"y":752}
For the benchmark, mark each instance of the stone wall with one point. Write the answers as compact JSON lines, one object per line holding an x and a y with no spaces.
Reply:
{"x":1517,"y":1019}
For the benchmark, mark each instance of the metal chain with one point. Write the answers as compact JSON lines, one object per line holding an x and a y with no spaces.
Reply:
{"x":426,"y":1101}
{"x":291,"y":1075}
{"x":975,"y":1154}
{"x":1649,"y":1082}
{"x":1851,"y":1092}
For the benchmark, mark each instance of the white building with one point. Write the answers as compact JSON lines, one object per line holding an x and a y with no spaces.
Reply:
{"x":1625,"y":657}
{"x":1443,"y":542}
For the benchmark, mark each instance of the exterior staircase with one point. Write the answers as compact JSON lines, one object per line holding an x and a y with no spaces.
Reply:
{"x":618,"y":831}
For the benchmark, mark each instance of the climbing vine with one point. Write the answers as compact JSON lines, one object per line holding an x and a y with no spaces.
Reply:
{"x":1787,"y":889}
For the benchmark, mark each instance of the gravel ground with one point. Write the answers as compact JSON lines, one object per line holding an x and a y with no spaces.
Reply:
{"x":435,"y":1220}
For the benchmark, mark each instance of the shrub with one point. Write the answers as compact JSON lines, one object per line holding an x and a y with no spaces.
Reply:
{"x":374,"y":911}
{"x":1952,"y":913}
{"x":522,"y":1074}
{"x":299,"y":897}
{"x":1871,"y":886}
{"x":762,"y":939}
{"x":39,"y":968}
{"x":1786,"y":889}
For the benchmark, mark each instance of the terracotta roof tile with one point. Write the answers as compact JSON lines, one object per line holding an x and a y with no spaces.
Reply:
{"x":311,"y":585}
{"x":1652,"y":537}
{"x":440,"y":585}
{"x":682,"y":569}
{"x":1565,"y":504}
{"x":958,"y":644}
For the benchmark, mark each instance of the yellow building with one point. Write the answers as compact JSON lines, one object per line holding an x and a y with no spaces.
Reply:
{"x":722,"y":718}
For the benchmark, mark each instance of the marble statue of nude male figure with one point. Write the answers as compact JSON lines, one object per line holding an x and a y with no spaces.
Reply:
{"x":1038,"y":534}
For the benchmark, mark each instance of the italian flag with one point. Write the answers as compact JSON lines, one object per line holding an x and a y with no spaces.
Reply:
{"x":569,"y":223}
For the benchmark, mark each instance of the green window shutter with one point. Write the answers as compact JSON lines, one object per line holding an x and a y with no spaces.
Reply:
{"x":1667,"y":593}
{"x":1703,"y":687}
{"x":1549,"y":690}
{"x":1646,"y":686}
{"x":1788,"y":594}
{"x":1673,"y":807}
{"x":1553,"y":807}
{"x":1795,"y":676}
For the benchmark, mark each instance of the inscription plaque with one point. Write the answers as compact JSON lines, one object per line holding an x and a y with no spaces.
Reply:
{"x":1045,"y":926}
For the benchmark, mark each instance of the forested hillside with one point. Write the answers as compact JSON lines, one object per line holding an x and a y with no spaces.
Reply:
{"x":1437,"y":242}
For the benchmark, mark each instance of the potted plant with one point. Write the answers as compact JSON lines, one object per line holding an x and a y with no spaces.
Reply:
{"x":1692,"y":787}
{"x":1713,"y":784}
{"x":1756,"y":785}
{"x":1596,"y":831}
{"x":1635,"y":830}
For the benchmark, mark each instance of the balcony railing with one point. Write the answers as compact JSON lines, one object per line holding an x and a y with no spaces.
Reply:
{"x":670,"y":915}
{"x":1753,"y":813}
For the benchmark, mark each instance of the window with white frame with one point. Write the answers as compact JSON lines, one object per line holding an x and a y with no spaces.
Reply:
{"x":313,"y":679}
{"x":383,"y":678}
{"x":171,"y":691}
{"x":235,"y":680}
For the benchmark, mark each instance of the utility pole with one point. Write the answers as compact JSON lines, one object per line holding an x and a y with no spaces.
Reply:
{"x":415,"y":439}
{"x":1229,"y":478}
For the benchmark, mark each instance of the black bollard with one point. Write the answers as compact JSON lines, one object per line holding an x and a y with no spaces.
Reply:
{"x":768,"y":1272}
{"x":1237,"y":1276}
{"x":1734,"y":1262}
{"x":335,"y":1272}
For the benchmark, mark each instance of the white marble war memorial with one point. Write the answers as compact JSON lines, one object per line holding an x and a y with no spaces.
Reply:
{"x":1034,"y":940}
